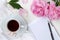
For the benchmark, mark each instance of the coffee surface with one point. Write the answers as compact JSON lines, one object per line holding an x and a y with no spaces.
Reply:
{"x":13,"y":25}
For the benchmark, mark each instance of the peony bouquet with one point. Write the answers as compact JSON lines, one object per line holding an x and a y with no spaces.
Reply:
{"x":46,"y":9}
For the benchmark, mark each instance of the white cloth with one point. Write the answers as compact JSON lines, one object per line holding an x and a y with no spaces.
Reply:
{"x":26,"y":36}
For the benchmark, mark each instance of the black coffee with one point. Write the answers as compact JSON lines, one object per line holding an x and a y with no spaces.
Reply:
{"x":13,"y":25}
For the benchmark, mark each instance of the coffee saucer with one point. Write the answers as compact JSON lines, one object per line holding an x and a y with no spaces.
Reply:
{"x":14,"y":26}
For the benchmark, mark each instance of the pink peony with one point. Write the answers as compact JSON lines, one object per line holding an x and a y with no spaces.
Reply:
{"x":24,"y":1}
{"x":42,"y":8}
{"x":58,"y":11}
{"x":23,"y":12}
{"x":52,"y":12}
{"x":38,"y":7}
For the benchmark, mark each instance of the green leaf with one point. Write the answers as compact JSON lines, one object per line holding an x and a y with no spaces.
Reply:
{"x":14,"y":0}
{"x":15,"y":5}
{"x":56,"y":3}
{"x":55,"y":0}
{"x":59,"y":4}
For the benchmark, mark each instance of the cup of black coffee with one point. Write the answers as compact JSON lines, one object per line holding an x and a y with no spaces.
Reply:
{"x":14,"y":25}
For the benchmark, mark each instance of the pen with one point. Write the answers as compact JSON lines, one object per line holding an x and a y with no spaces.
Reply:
{"x":51,"y":31}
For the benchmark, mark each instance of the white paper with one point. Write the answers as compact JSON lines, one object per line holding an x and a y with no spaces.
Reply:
{"x":41,"y":30}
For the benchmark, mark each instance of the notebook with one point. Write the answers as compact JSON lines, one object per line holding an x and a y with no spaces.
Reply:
{"x":40,"y":29}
